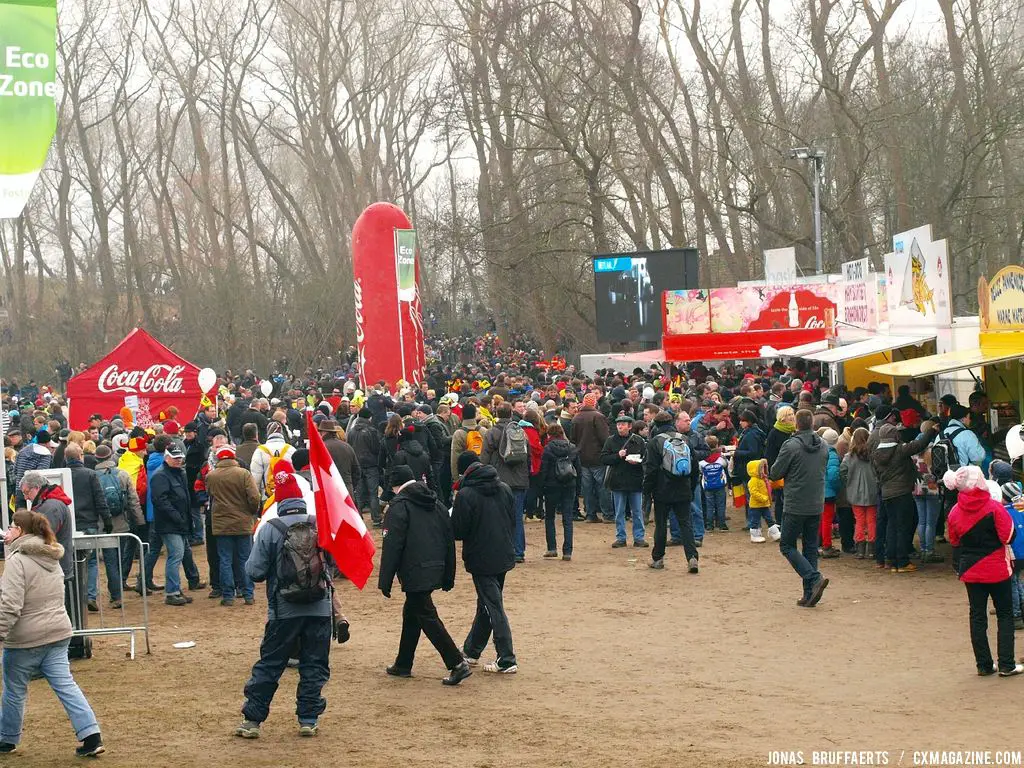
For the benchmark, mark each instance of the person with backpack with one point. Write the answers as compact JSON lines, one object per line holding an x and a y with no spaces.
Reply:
{"x":668,"y":473}
{"x":122,"y":499}
{"x":623,"y":455}
{"x":956,"y":447}
{"x":438,"y":445}
{"x":468,"y":437}
{"x":234,"y":508}
{"x":265,"y":459}
{"x":91,"y":512}
{"x":507,"y":450}
{"x":365,"y":441}
{"x":559,"y":472}
{"x":715,"y":481}
{"x":413,"y":455}
{"x":419,"y":548}
{"x":285,"y":555}
{"x":482,"y":521}
{"x":1013,"y":500}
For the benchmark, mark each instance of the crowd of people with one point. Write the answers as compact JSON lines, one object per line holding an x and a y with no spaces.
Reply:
{"x":492,"y":439}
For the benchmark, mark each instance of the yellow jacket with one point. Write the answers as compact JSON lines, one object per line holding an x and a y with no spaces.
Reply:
{"x":757,"y":490}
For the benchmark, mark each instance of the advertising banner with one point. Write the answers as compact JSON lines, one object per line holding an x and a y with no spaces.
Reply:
{"x":28,"y":113}
{"x":687,"y":312}
{"x":858,"y":295}
{"x":405,"y":263}
{"x":780,"y":266}
{"x":760,"y":309}
{"x":140,"y":373}
{"x":917,"y":281}
{"x":1001,"y":301}
{"x":389,"y":331}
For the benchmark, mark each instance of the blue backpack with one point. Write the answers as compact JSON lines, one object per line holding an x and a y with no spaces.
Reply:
{"x":714,"y":476}
{"x":1017,"y":545}
{"x":675,"y":458}
{"x":110,"y":483}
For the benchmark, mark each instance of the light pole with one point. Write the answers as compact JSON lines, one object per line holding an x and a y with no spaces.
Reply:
{"x":817,"y":157}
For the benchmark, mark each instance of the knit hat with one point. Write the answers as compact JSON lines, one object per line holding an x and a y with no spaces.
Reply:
{"x":171,"y":427}
{"x":43,"y":437}
{"x":910,"y":418}
{"x":225,"y":452}
{"x":468,"y":412}
{"x":1001,"y":471}
{"x":402,"y":474}
{"x":285,"y":484}
{"x":274,"y":428}
{"x":466,"y":460}
{"x":883,"y":412}
{"x":830,"y":436}
{"x":590,"y":400}
{"x":102,"y":451}
{"x":964,"y":479}
{"x":300,"y":458}
{"x":137,"y":444}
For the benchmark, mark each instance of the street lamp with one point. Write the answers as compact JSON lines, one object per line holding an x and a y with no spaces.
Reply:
{"x":817,"y":156}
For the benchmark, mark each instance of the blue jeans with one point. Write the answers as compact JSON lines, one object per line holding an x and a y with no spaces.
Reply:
{"x":518,"y":509}
{"x":1017,"y":595}
{"x":366,"y":491}
{"x":234,"y":551}
{"x":176,"y":546}
{"x":112,"y":565}
{"x":51,"y":661}
{"x":596,"y":498}
{"x":697,"y":514}
{"x":156,"y":544}
{"x":805,"y":563}
{"x":198,"y":531}
{"x":634,"y":500}
{"x":675,"y":532}
{"x":756,"y":514}
{"x":558,"y":500}
{"x":927,"y":518}
{"x":715,"y":498}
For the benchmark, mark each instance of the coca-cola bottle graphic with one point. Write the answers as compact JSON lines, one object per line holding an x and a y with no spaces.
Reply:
{"x":794,"y":311}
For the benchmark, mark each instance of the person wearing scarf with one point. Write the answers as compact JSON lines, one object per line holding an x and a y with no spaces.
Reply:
{"x":785,"y":426}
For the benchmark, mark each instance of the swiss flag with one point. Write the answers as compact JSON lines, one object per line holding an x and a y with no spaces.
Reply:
{"x":341,"y":528}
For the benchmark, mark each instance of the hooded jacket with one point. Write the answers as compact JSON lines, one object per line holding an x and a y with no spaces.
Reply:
{"x":234,"y":500}
{"x":53,"y":504}
{"x":32,"y":594}
{"x":419,"y":543}
{"x":459,"y":442}
{"x":517,"y":476}
{"x":172,"y":506}
{"x":365,"y":441}
{"x":749,"y":448}
{"x":622,"y":475}
{"x":833,"y":478}
{"x":757,"y":488}
{"x":979,"y":529}
{"x":153,"y":462}
{"x":801,"y":463}
{"x":860,"y":481}
{"x":412,"y":453}
{"x":589,"y":433}
{"x":483,"y":519}
{"x":259,"y":466}
{"x":659,"y":484}
{"x":553,"y":451}
{"x":32,"y":456}
{"x":894,"y":463}
{"x":135,"y":466}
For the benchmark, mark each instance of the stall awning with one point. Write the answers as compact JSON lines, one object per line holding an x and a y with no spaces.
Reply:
{"x":947,"y":362}
{"x":867,"y":347}
{"x":640,"y":358}
{"x":801,"y":351}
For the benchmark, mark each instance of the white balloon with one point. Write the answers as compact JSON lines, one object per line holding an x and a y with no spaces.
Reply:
{"x":266,"y":388}
{"x":1014,"y":443}
{"x":207,"y":379}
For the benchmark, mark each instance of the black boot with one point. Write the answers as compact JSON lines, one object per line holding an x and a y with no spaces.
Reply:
{"x":92,"y":746}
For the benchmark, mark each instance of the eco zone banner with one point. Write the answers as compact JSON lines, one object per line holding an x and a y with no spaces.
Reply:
{"x":28,"y":112}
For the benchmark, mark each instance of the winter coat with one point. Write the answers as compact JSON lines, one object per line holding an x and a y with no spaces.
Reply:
{"x":757,"y":488}
{"x":32,"y":609}
{"x":553,"y":451}
{"x":589,"y":433}
{"x":153,"y":462}
{"x":833,"y":479}
{"x":135,"y":466}
{"x":32,"y":456}
{"x":860,"y":481}
{"x":440,"y":440}
{"x":659,"y":484}
{"x":53,"y":504}
{"x":622,"y":475}
{"x":264,"y":455}
{"x":773,"y":444}
{"x":172,"y":509}
{"x":517,"y":476}
{"x":459,"y":442}
{"x":345,"y":460}
{"x":894,"y":461}
{"x":536,"y":446}
{"x":823,"y":417}
{"x":750,"y":447}
{"x":969,"y":449}
{"x":365,"y":441}
{"x":132,"y":516}
{"x":254,"y":416}
{"x":419,"y":543}
{"x":244,"y":454}
{"x":801,"y":463}
{"x":234,"y":499}
{"x":413,"y":455}
{"x":483,"y":519}
{"x":979,"y":528}
{"x":90,"y":501}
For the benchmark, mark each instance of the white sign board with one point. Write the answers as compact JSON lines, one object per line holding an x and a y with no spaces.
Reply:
{"x":780,"y":266}
{"x":917,"y":281}
{"x":856,"y":306}
{"x":61,"y":477}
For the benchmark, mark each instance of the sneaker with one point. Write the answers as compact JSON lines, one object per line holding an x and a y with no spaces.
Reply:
{"x":908,"y":568}
{"x":307,"y":730}
{"x":551,"y":553}
{"x":828,"y":553}
{"x":723,"y":527}
{"x":457,"y":674}
{"x":398,"y":671}
{"x":618,"y":544}
{"x":641,"y":543}
{"x":248,"y":730}
{"x":250,"y":601}
{"x":756,"y":537}
{"x":195,"y":586}
{"x":91,"y":605}
{"x":115,"y":603}
{"x":1018,"y":623}
{"x":92,"y":746}
{"x":227,"y":601}
{"x":496,"y":668}
{"x":215,"y":593}
{"x":802,"y":602}
{"x":698,"y":542}
{"x":178,"y":599}
{"x":816,"y":592}
{"x":566,"y":558}
{"x":940,"y":539}
{"x":774,"y":532}
{"x":986,"y":671}
{"x":1018,"y":669}
{"x":692,"y":563}
{"x":471,"y":660}
{"x":657,"y":565}
{"x":6,"y":747}
{"x":931,"y":557}
{"x":150,"y":588}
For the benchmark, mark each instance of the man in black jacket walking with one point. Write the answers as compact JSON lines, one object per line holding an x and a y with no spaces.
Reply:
{"x":671,"y":493}
{"x":419,"y":548}
{"x":484,"y":522}
{"x":365,"y":441}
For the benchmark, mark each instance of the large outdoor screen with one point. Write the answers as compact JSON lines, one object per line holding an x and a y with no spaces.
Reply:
{"x":628,"y":289}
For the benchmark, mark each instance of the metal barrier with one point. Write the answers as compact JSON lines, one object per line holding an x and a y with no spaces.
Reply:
{"x":85,"y":544}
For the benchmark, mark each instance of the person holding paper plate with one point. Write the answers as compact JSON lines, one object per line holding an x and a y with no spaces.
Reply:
{"x":623,"y":455}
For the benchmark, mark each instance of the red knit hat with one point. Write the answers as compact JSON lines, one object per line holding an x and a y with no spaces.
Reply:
{"x":285,"y":484}
{"x":171,"y":427}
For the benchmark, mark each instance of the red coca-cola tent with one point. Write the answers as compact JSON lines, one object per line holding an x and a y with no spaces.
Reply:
{"x":141,"y":373}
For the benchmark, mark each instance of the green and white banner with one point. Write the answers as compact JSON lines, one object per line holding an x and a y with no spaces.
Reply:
{"x":405,"y":263}
{"x":28,"y":111}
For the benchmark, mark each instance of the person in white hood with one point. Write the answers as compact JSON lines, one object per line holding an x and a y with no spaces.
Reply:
{"x":268,"y":454}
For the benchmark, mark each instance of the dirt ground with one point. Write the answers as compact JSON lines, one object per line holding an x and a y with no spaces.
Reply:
{"x":619,"y":666}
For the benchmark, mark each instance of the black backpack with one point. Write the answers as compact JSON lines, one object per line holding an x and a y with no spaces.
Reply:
{"x":301,"y":570}
{"x":944,"y":454}
{"x":565,"y":469}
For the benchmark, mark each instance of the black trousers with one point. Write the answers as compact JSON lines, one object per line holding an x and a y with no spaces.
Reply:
{"x":490,"y":617}
{"x":662,"y":512}
{"x":846,"y":527}
{"x":977,"y":596}
{"x":312,"y":635}
{"x":419,"y":614}
{"x":899,"y":530}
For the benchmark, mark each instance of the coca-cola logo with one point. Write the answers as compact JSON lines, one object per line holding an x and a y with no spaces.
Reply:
{"x":156,"y":378}
{"x":357,"y":288}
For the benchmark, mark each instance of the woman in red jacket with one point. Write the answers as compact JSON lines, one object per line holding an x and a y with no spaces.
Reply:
{"x":535,"y":430}
{"x":979,"y":528}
